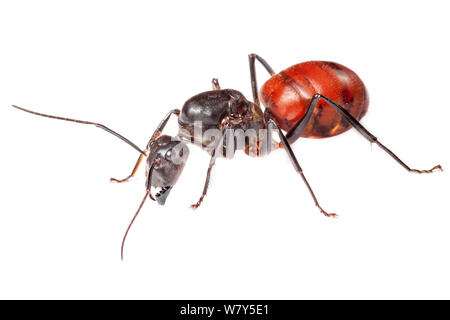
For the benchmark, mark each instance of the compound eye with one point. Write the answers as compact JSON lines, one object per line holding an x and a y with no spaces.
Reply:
{"x":168,"y":155}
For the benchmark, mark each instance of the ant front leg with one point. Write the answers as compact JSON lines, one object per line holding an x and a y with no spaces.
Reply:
{"x":162,"y":125}
{"x":155,"y":136}
{"x":133,"y":173}
{"x":299,"y":127}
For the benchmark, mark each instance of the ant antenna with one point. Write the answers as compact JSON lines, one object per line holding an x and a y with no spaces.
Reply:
{"x":131,"y":223}
{"x":149,"y":194}
{"x":98,"y":125}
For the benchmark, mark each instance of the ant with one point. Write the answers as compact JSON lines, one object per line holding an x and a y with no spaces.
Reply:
{"x":315,"y":99}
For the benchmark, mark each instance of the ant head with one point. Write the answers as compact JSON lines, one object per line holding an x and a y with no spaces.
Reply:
{"x":165,"y":163}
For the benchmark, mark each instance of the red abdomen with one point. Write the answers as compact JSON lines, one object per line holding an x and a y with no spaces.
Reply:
{"x":287,"y":95}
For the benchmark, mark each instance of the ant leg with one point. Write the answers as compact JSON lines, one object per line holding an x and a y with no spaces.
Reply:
{"x":298,"y":128}
{"x":135,"y":169}
{"x":212,"y":162}
{"x":366,"y":134}
{"x":155,"y":135}
{"x":161,"y":126}
{"x":251,"y":60}
{"x":215,"y":84}
{"x":297,"y":167}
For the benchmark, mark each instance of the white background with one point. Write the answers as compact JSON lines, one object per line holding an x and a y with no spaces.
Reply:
{"x":257,"y":234}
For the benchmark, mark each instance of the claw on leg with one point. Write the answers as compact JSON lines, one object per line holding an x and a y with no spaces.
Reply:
{"x":199,"y":202}
{"x":329,"y":215}
{"x":434,"y":169}
{"x":120,"y":180}
{"x":326,"y":214}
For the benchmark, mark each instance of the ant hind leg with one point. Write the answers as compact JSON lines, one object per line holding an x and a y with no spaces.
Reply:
{"x":298,"y":128}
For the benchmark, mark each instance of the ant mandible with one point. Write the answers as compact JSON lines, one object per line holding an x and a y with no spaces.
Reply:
{"x":314,"y":99}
